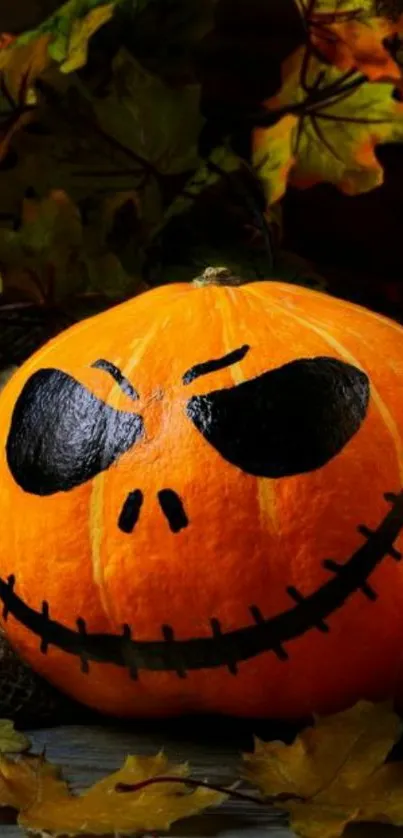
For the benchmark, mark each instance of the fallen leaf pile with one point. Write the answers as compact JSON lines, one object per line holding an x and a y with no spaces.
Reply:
{"x":334,"y":773}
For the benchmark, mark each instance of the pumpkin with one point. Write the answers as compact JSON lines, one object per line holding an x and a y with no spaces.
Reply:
{"x":201,"y":504}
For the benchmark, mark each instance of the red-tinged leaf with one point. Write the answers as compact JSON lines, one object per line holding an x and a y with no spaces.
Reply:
{"x":340,"y":121}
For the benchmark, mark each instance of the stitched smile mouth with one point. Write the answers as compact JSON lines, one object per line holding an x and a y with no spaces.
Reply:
{"x":222,"y":648}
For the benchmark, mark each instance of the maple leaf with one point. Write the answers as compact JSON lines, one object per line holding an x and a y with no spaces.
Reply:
{"x":334,"y":772}
{"x":19,"y":68}
{"x":102,"y":809}
{"x":81,"y":31}
{"x":62,"y":38}
{"x":340,"y":121}
{"x":273,"y":156}
{"x":25,"y":781}
{"x":351,"y":34}
{"x":158,"y":123}
{"x":220,"y":162}
{"x":41,"y":257}
{"x":68,"y":31}
{"x":53,"y":256}
{"x":11,"y":740}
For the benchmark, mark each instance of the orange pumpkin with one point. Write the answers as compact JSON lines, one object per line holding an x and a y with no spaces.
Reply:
{"x":201,"y":504}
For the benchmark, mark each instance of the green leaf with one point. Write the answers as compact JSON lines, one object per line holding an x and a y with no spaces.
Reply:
{"x":220,"y":162}
{"x":11,"y":740}
{"x":156,"y":122}
{"x":69,"y":30}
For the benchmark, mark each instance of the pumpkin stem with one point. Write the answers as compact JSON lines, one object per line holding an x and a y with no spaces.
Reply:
{"x":217,"y":276}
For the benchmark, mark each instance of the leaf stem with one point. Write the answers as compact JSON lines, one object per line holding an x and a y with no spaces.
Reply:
{"x":188,"y":781}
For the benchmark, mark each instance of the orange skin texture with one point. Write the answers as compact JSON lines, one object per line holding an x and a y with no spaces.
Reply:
{"x":248,"y":538}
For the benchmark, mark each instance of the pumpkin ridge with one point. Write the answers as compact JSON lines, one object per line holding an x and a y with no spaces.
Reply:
{"x":221,"y":649}
{"x":300,"y":291}
{"x":95,"y":519}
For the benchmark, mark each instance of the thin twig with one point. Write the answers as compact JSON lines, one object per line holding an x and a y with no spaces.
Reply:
{"x":188,"y":781}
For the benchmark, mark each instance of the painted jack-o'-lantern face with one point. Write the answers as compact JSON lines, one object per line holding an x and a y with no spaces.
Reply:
{"x":202,"y":497}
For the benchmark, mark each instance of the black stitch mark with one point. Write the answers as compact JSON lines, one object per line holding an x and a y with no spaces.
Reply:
{"x":169,"y":637}
{"x":118,"y":376}
{"x":173,"y":510}
{"x":216,"y":364}
{"x":256,"y":614}
{"x":368,"y":533}
{"x":82,"y":629}
{"x":365,"y":588}
{"x":280,"y":652}
{"x":238,"y":645}
{"x":6,"y":599}
{"x":218,"y":633}
{"x":369,"y":592}
{"x":127,"y":646}
{"x":299,"y":598}
{"x":45,"y":640}
{"x":130,"y":511}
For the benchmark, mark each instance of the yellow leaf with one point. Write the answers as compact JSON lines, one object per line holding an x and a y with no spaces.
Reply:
{"x":273,"y":156}
{"x":103,"y":810}
{"x":27,"y":780}
{"x":341,"y":7}
{"x":350,"y":34}
{"x":24,"y":62}
{"x":81,"y":32}
{"x":357,"y":45}
{"x":339,"y":124}
{"x":334,"y":772}
{"x":11,"y":740}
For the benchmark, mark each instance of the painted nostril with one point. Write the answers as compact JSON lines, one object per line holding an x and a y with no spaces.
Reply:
{"x":130,"y":511}
{"x":173,"y":510}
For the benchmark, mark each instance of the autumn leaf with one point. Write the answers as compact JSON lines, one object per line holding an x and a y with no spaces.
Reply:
{"x":19,"y":68}
{"x":11,"y":740}
{"x":53,"y":256}
{"x":63,"y":39}
{"x":42,"y":255}
{"x":273,"y":156}
{"x":340,"y":121}
{"x":351,"y":35}
{"x":357,"y":45}
{"x":334,"y":773}
{"x":102,"y":809}
{"x":28,"y":779}
{"x":81,"y":31}
{"x":156,"y":122}
{"x":22,"y":64}
{"x":68,"y":31}
{"x":221,"y":162}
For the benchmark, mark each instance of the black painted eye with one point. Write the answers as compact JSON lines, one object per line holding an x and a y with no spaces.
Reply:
{"x":62,"y":435}
{"x":290,"y":420}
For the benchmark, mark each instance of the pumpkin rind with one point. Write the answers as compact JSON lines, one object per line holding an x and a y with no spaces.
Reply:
{"x":177,"y":578}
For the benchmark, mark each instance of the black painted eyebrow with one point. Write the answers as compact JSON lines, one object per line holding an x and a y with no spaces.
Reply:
{"x":118,"y":376}
{"x":215,"y":364}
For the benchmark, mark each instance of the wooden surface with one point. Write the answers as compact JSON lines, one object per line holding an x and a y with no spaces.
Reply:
{"x":87,"y":753}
